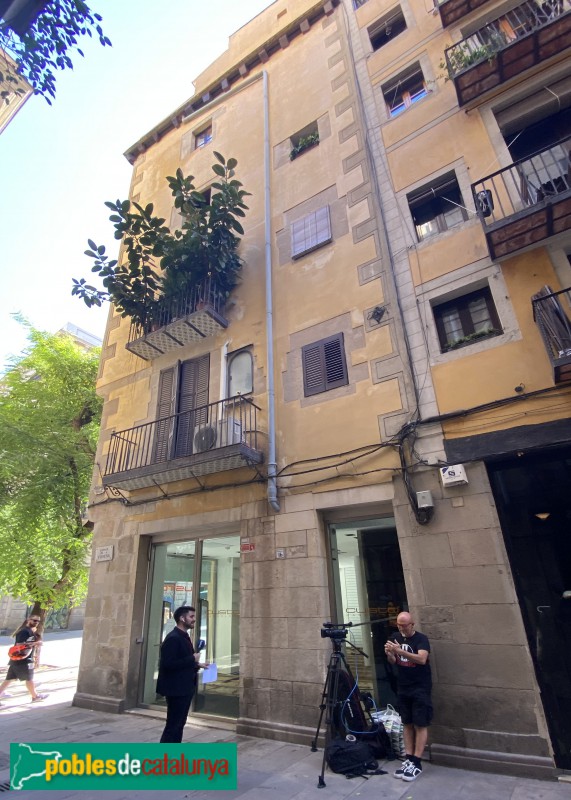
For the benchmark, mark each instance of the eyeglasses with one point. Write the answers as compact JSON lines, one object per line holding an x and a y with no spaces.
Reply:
{"x":34,"y":620}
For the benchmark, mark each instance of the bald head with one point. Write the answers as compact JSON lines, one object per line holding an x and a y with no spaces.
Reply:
{"x":405,"y":624}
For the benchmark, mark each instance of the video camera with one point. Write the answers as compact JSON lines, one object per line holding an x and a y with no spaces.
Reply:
{"x":338,"y":632}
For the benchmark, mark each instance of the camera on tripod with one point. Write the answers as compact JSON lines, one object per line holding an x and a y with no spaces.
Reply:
{"x":338,"y":632}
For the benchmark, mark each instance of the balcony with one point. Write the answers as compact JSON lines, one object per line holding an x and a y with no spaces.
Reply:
{"x":526,"y":203}
{"x":453,"y":10}
{"x":180,"y":321}
{"x":210,"y":439}
{"x":518,"y":40}
{"x":551,"y":313}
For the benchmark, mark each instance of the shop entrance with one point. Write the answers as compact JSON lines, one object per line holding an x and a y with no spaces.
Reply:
{"x":534,"y":506}
{"x":204,"y":573}
{"x":369,"y":587}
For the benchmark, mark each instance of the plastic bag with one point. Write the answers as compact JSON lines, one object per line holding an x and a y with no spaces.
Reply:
{"x":393,"y":725}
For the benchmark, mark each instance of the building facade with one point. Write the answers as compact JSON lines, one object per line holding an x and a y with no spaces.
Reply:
{"x":377,"y":418}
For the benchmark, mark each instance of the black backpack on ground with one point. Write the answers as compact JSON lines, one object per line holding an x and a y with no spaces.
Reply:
{"x":352,"y":759}
{"x":378,"y":741}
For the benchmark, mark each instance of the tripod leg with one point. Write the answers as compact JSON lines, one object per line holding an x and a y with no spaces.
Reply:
{"x":332,"y":683}
{"x":322,"y":705}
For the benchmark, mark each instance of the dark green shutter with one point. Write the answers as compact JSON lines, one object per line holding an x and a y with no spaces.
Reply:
{"x":324,"y":365}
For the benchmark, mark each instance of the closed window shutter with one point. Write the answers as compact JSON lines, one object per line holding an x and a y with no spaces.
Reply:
{"x":165,"y":409}
{"x":324,"y":365}
{"x":310,"y":232}
{"x":193,"y":394}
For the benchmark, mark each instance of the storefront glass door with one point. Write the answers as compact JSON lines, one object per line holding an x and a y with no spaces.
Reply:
{"x":204,"y":573}
{"x":369,"y":592}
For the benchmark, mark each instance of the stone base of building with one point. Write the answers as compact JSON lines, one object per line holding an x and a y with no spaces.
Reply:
{"x":280,"y":731}
{"x":111,"y":705}
{"x":522,"y":766}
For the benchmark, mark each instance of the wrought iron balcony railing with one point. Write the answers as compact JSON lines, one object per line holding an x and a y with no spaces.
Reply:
{"x":527,"y":202}
{"x":551,"y":312}
{"x":179,"y":321}
{"x":207,"y":439}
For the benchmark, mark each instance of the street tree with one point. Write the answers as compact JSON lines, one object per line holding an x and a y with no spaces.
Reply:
{"x":37,"y":48}
{"x":49,"y":422}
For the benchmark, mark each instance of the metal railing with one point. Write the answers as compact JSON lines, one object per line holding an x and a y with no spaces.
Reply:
{"x":551,"y":311}
{"x":521,"y":21}
{"x":207,"y":293}
{"x":206,"y":428}
{"x":524,"y":183}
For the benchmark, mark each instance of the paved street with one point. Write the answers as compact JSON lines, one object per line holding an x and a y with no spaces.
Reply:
{"x":268,"y":770}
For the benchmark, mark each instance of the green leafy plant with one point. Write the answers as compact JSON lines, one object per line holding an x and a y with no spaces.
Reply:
{"x":471,"y":338}
{"x":160,"y":265}
{"x":460,"y":57}
{"x":44,"y":48}
{"x":304,"y":143}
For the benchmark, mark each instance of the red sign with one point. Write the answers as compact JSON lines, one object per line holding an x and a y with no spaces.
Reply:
{"x":247,"y":547}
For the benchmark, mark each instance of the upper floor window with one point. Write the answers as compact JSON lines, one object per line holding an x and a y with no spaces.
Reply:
{"x":240,"y":373}
{"x":324,"y":365}
{"x":203,"y":137}
{"x":466,"y":319}
{"x":437,"y":207}
{"x":387,"y":28}
{"x":407,"y":88}
{"x":304,"y":139}
{"x":310,"y":232}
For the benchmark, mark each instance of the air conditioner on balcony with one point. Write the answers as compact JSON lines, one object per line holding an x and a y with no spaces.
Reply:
{"x":221,"y":434}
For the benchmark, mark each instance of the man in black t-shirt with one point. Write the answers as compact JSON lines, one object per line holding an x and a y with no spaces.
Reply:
{"x":410,"y":651}
{"x":22,"y":669}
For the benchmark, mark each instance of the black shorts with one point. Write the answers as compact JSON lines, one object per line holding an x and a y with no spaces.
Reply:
{"x":415,"y":708}
{"x":20,"y":670}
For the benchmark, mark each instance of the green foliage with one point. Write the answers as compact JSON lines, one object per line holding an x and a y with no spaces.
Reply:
{"x":304,"y":143}
{"x":471,"y":338}
{"x":462,"y":56}
{"x":159,"y":265}
{"x":49,"y":421}
{"x":45,"y":47}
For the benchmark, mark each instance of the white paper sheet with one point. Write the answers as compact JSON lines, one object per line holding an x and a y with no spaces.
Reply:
{"x":210,"y":674}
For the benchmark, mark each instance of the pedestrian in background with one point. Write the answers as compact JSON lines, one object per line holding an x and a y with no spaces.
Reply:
{"x":21,"y":665}
{"x":178,"y":670}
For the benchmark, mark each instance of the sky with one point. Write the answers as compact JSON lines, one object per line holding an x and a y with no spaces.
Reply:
{"x":60,"y":163}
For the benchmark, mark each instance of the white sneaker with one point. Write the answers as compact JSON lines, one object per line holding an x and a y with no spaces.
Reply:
{"x":411,"y":772}
{"x":400,"y":771}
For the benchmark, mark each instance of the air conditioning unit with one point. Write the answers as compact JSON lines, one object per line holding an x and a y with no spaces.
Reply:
{"x":221,"y":434}
{"x":454,"y":475}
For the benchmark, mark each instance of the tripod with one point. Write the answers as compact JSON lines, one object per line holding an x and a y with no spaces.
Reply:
{"x":338,"y":672}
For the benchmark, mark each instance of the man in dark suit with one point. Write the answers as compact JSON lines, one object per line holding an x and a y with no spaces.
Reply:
{"x":178,"y":668}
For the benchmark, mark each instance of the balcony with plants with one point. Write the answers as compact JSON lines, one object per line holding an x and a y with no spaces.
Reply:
{"x":173,"y":286}
{"x":205,"y":440}
{"x":526,"y":203}
{"x":531,"y":34}
{"x":452,"y":11}
{"x":552,"y":314}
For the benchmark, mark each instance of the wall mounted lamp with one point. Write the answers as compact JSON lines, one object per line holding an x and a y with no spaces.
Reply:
{"x":377,"y":314}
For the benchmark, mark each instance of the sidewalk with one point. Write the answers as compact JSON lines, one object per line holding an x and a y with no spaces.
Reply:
{"x":268,"y":770}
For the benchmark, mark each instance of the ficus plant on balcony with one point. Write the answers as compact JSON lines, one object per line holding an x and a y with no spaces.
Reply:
{"x":159,"y":264}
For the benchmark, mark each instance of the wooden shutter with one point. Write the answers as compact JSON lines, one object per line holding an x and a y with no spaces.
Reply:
{"x":324,"y":365}
{"x":166,"y":407}
{"x":310,"y":232}
{"x":193,"y":394}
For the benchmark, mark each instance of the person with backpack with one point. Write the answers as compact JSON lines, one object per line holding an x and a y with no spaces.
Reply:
{"x":410,"y":651}
{"x":22,"y":658}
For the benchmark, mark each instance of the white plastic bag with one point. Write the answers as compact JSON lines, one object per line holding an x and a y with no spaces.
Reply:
{"x":392,"y":723}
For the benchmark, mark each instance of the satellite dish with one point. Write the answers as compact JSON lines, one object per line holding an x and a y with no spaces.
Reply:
{"x":204,"y":438}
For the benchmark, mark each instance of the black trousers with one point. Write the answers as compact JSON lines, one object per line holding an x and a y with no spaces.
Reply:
{"x":177,"y":712}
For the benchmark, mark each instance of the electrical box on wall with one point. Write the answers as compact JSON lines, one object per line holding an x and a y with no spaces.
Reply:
{"x":454,"y":475}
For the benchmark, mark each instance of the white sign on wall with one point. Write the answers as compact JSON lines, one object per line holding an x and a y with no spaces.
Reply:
{"x":104,"y":553}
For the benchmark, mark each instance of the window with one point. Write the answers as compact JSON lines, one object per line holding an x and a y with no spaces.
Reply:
{"x":240,"y":373}
{"x":408,"y":88}
{"x":324,"y":365}
{"x":310,"y":232}
{"x":437,"y":207}
{"x":303,"y":140}
{"x":386,"y":29}
{"x":466,"y":319}
{"x":183,"y":390}
{"x":203,"y":137}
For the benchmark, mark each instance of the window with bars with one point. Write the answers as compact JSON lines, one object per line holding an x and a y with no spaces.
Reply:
{"x":324,"y":365}
{"x":466,"y":319}
{"x":403,"y":91}
{"x":310,"y":232}
{"x":437,"y":207}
